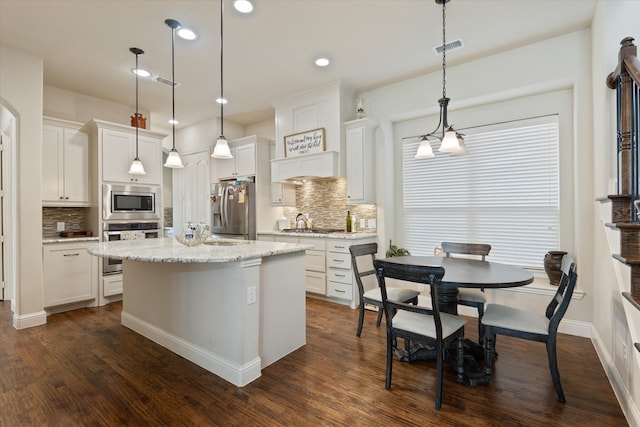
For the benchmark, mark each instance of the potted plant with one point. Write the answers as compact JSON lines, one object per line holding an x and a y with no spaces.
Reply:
{"x":396,"y":251}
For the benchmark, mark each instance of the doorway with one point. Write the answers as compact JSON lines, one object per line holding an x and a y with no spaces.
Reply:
{"x":7,"y":141}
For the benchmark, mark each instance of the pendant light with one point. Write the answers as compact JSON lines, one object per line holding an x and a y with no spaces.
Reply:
{"x":136,"y":166}
{"x":221,"y":149}
{"x":450,"y":140}
{"x":173,"y":160}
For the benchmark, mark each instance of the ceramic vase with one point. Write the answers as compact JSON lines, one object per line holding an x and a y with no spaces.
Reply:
{"x":553,"y":266}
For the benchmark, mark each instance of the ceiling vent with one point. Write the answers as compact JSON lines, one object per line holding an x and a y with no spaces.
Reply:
{"x":452,"y":45}
{"x":169,"y":82}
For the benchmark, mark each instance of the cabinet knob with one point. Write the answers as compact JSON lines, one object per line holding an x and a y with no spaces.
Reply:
{"x":61,"y":198}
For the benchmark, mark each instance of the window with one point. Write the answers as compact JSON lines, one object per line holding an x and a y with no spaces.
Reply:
{"x":505,"y":192}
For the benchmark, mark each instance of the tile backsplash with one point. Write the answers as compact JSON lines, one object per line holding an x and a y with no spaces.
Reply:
{"x":73,"y":218}
{"x":325,"y":200}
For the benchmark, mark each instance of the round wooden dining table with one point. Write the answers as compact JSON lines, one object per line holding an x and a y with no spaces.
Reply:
{"x":467,"y":273}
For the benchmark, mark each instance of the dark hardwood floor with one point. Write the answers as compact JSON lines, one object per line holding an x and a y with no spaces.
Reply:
{"x":84,"y":369}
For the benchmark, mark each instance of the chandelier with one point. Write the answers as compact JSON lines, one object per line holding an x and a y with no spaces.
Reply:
{"x":451,"y":141}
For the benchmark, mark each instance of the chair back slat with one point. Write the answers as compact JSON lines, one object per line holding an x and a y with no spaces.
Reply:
{"x":568,"y":266}
{"x":358,"y":251}
{"x":554,"y":320}
{"x":426,"y":275}
{"x":480,"y":249}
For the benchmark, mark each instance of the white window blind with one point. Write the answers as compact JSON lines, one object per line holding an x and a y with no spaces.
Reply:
{"x":505,"y":192}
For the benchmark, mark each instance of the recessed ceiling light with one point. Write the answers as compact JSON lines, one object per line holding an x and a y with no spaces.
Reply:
{"x":221,"y":101}
{"x":322,"y":62}
{"x":243,"y":6}
{"x":173,"y":122}
{"x":141,"y":72}
{"x":186,"y":34}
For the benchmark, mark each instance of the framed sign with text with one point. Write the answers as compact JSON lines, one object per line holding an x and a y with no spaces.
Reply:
{"x":307,"y":142}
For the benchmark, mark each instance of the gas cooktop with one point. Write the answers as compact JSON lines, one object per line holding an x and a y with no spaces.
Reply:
{"x":313,"y":230}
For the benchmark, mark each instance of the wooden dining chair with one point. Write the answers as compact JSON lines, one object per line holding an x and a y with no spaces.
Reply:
{"x":470,"y":297}
{"x":510,"y":321}
{"x":418,"y":323}
{"x":362,"y":257}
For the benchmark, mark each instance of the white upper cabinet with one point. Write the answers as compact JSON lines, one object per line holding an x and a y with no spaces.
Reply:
{"x":326,"y":107}
{"x":360,"y":158}
{"x":242,"y":164}
{"x":117,"y":148}
{"x":65,"y":164}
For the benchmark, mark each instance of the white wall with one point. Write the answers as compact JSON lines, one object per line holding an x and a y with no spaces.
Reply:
{"x":559,"y":64}
{"x":21,"y":93}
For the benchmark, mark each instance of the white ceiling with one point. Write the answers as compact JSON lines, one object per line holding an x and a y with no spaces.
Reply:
{"x":269,"y":54}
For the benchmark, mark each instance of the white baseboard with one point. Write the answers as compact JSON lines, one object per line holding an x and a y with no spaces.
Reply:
{"x":29,"y":320}
{"x":235,"y":374}
{"x":623,"y":395}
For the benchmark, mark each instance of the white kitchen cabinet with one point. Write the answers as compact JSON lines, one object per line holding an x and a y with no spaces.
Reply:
{"x":119,"y":150}
{"x":339,"y":272}
{"x":65,"y":164}
{"x":283,"y":194}
{"x":192,"y":189}
{"x":242,"y":164}
{"x":70,"y":273}
{"x":360,"y":159}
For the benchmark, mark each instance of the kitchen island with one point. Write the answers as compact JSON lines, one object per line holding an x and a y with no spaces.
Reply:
{"x":230,"y":306}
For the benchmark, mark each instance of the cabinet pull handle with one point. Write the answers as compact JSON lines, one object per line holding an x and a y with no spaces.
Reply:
{"x":340,"y":291}
{"x":70,"y":254}
{"x":340,"y":275}
{"x":339,"y":247}
{"x":338,"y":260}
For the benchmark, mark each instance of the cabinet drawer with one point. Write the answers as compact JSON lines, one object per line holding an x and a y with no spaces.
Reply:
{"x":338,"y":246}
{"x":339,"y":290}
{"x":315,"y":260}
{"x":340,"y":276}
{"x":338,"y":260}
{"x":317,"y":243}
{"x":112,"y":285}
{"x":315,"y":282}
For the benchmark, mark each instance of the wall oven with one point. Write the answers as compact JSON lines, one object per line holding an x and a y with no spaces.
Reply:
{"x":130,"y":202}
{"x":126,"y":231}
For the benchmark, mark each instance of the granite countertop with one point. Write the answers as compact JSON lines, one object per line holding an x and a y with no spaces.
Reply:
{"x":350,"y":236}
{"x":47,"y":240}
{"x":170,"y":250}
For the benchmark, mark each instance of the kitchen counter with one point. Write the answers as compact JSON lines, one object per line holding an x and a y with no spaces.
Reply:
{"x":213,"y":251}
{"x":49,"y":240}
{"x":229,"y":309}
{"x":350,"y":236}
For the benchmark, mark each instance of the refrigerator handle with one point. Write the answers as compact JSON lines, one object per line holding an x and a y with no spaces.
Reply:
{"x":223,"y":206}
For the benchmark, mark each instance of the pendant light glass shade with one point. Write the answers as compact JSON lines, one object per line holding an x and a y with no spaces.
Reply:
{"x":136,"y":166}
{"x":424,"y":150}
{"x":173,"y":160}
{"x":221,"y":150}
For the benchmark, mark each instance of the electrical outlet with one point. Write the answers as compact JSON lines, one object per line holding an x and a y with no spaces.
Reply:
{"x":60,"y":226}
{"x":363,"y":223}
{"x":420,"y":287}
{"x":252,"y":295}
{"x":372,"y":223}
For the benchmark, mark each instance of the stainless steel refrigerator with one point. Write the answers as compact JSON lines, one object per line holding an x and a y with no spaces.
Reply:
{"x":233,"y":210}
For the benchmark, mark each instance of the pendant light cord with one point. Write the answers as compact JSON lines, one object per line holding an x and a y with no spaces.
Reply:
{"x":221,"y":68}
{"x":173,"y":86}
{"x":137,"y":116}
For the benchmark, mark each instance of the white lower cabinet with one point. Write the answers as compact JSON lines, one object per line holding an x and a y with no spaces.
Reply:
{"x":112,"y":285}
{"x":70,"y":273}
{"x":328,"y":269}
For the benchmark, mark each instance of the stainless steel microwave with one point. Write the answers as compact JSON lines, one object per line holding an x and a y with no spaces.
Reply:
{"x":130,"y":202}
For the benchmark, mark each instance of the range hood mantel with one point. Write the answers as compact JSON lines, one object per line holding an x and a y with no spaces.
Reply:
{"x":320,"y":165}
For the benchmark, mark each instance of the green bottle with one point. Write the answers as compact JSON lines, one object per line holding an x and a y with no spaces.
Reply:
{"x":348,"y":221}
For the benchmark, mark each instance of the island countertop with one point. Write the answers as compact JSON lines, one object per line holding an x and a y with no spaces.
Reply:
{"x":212,"y":251}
